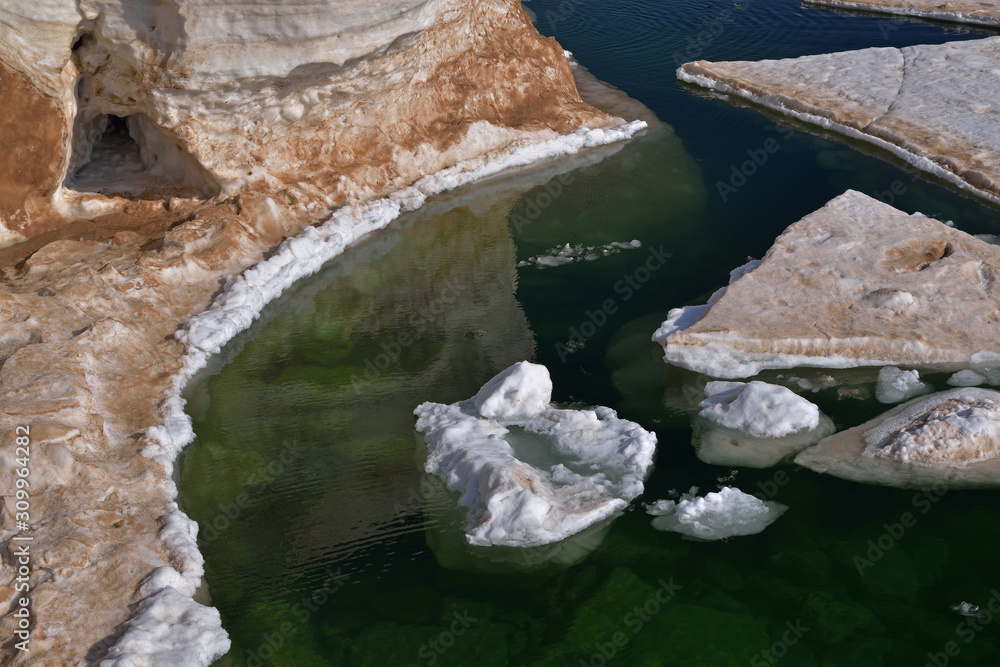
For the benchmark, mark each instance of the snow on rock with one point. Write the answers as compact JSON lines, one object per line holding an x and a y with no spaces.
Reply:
{"x":169,"y":629}
{"x":715,"y":516}
{"x":539,"y":474}
{"x":896,"y":385}
{"x":951,"y":438}
{"x":856,"y":283}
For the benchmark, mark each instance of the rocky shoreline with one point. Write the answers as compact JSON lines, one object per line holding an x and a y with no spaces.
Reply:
{"x":92,"y":355}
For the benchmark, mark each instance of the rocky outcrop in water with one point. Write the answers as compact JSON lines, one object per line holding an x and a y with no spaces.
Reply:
{"x":857,"y":283}
{"x":913,"y":102}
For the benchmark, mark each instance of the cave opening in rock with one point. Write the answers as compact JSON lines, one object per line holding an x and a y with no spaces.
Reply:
{"x":131,"y":155}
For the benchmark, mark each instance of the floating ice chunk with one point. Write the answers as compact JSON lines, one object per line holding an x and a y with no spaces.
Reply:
{"x":966,"y":378}
{"x":574,"y":253}
{"x":538,"y":474}
{"x":521,"y":391}
{"x":715,"y":516}
{"x":966,"y":609}
{"x":895,"y":385}
{"x":758,"y":409}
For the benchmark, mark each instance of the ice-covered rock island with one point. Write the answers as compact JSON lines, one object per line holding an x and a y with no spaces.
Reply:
{"x":856,"y":283}
{"x":532,"y":474}
{"x":952,"y":438}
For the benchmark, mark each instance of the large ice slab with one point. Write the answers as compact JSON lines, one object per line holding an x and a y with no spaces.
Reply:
{"x":975,"y":12}
{"x":951,"y":438}
{"x":914,"y":102}
{"x":857,"y":283}
{"x":715,"y":516}
{"x":755,"y":424}
{"x":535,"y":474}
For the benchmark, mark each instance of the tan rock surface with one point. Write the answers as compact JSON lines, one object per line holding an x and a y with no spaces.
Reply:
{"x":936,"y":107}
{"x":975,"y":12}
{"x":857,"y":283}
{"x":333,"y":101}
{"x":946,"y":440}
{"x":114,"y":239}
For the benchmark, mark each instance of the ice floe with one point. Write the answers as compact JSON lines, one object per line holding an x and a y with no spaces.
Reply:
{"x":715,"y":516}
{"x":534,"y":474}
{"x":896,"y":385}
{"x":567,"y":253}
{"x":755,"y":424}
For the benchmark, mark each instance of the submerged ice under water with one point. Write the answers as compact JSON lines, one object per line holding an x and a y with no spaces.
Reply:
{"x":325,"y":546}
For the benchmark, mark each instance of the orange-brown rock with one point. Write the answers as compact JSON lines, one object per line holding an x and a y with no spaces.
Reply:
{"x":148,"y":153}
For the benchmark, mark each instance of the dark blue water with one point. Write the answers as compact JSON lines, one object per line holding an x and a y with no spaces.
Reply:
{"x":324,"y":543}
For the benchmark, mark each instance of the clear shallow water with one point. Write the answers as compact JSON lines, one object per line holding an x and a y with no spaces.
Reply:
{"x":322,"y":538}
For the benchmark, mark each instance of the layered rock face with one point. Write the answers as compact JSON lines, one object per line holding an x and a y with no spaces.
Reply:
{"x":324,"y":101}
{"x":152,"y":151}
{"x":913,"y":102}
{"x":974,"y":12}
{"x":857,"y":283}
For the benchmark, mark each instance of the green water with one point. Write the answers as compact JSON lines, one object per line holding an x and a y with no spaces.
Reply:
{"x":326,"y":545}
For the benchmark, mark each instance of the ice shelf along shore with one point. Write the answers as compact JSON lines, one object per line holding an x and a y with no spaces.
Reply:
{"x":531,"y":474}
{"x":715,"y":516}
{"x":951,"y":438}
{"x":913,"y":102}
{"x":856,"y":283}
{"x":755,"y":424}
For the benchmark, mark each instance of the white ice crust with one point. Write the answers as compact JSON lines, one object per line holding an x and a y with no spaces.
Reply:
{"x":758,"y":409}
{"x":539,"y":474}
{"x":966,"y":378}
{"x":958,"y":426}
{"x":521,"y":391}
{"x":715,"y":516}
{"x":233,"y":311}
{"x":896,"y":385}
{"x":679,"y":319}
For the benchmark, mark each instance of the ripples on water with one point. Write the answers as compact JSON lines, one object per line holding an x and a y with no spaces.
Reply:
{"x":324,"y":541}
